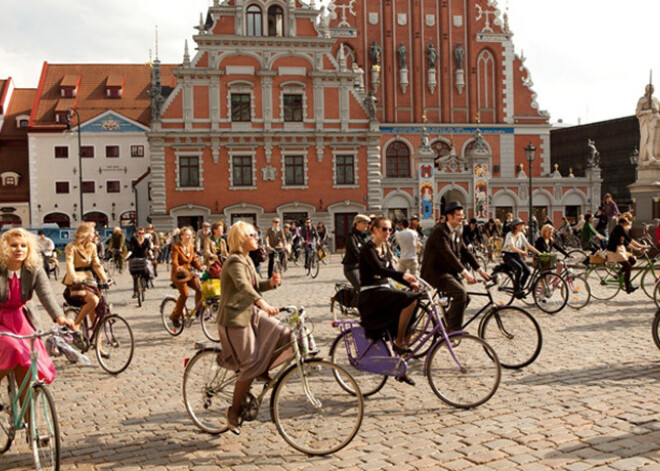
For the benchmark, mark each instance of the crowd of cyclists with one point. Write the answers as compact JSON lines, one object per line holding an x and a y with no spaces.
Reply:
{"x":377,"y":250}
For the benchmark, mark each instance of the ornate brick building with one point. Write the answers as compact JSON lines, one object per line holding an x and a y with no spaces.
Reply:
{"x":392,"y":106}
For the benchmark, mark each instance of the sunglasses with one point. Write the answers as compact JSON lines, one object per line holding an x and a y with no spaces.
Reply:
{"x":386,"y":229}
{"x":254,"y":235}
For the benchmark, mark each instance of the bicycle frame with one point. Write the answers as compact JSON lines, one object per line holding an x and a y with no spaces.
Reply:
{"x":25,"y":387}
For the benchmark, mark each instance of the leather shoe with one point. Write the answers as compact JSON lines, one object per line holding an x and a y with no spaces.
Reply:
{"x":400,"y":350}
{"x":406,"y":379}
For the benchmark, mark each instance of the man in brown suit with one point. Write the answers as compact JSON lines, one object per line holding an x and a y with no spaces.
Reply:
{"x":442,"y":266}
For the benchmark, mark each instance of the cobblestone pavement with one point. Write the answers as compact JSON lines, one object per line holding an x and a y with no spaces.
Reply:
{"x":590,"y":401}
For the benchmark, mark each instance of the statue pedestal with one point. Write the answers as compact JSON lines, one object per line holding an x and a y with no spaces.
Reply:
{"x":645,"y":191}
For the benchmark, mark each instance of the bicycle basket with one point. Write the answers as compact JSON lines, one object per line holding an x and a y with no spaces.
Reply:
{"x":137,"y":266}
{"x":211,"y":288}
{"x":597,"y":259}
{"x":545,"y":261}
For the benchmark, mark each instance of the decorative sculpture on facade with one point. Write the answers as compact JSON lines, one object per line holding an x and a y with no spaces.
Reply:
{"x":370,"y":104}
{"x":358,"y":83}
{"x":431,"y":78}
{"x":593,"y":159}
{"x":459,"y":57}
{"x":402,"y":54}
{"x":375,"y":53}
{"x":648,"y":114}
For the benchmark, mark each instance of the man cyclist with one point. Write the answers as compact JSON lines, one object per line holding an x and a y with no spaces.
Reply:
{"x":309,"y":236}
{"x":442,"y":266}
{"x":46,"y":247}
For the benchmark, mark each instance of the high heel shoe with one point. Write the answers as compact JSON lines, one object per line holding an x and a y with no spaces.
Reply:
{"x":232,"y":428}
{"x":400,"y":350}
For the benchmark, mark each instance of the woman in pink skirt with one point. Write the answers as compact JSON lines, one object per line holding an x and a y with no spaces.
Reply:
{"x":21,"y":274}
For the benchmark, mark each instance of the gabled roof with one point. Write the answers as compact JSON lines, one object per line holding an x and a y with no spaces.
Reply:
{"x":91,"y":100}
{"x":20,"y":104}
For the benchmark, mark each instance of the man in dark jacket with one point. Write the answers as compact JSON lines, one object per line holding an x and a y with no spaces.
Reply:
{"x":442,"y":266}
{"x":309,"y":236}
{"x":354,"y":243}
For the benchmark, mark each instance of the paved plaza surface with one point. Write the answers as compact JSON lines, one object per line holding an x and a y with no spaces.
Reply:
{"x":590,"y":401}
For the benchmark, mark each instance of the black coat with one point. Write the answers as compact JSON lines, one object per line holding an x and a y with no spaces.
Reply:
{"x":354,"y":244}
{"x":442,"y":255}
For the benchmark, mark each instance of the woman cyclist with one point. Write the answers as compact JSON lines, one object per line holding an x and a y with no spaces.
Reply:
{"x":514,"y":250}
{"x":617,"y":250}
{"x":183,"y":259}
{"x":545,"y":243}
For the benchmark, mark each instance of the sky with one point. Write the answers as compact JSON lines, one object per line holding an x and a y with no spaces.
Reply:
{"x":589,"y":59}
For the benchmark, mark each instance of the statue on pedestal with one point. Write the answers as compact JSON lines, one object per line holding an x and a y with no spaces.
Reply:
{"x":374,"y":53}
{"x":593,"y":160}
{"x":433,"y":55}
{"x":402,"y":52}
{"x":648,"y":113}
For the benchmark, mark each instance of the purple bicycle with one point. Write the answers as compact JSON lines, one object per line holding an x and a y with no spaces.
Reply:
{"x":462,"y":370}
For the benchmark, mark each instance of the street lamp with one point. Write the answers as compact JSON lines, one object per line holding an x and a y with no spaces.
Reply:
{"x":530,"y":152}
{"x":80,"y":175}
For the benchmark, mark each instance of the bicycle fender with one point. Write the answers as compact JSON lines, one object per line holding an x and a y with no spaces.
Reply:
{"x":438,"y":342}
{"x":279,"y":380}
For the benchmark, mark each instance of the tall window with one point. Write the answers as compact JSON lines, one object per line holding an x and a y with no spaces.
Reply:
{"x":189,"y":171}
{"x":275,"y":21}
{"x":254,"y":24}
{"x":61,"y":152}
{"x":137,"y":151}
{"x":88,"y":187}
{"x":293,"y":107}
{"x":345,"y":170}
{"x":294,"y":169}
{"x":486,"y":98}
{"x":398,"y":160}
{"x":112,"y":151}
{"x":242,"y":170}
{"x":241,"y":107}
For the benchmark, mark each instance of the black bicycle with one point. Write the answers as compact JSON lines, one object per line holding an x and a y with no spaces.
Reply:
{"x":139,"y":269}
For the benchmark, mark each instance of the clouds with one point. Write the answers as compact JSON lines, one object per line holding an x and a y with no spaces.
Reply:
{"x":588,"y":58}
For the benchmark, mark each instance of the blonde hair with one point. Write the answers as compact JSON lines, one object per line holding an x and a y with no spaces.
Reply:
{"x":547,"y":228}
{"x":238,"y":232}
{"x":84,"y":229}
{"x":192,"y":233}
{"x":33,"y":259}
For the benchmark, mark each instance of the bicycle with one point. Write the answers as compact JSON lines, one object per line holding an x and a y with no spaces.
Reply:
{"x":656,"y":294}
{"x":52,"y":264}
{"x":109,"y":335}
{"x":606,"y":279}
{"x":205,"y":310}
{"x":463,"y":371}
{"x":114,"y":262}
{"x":139,"y":271}
{"x":323,"y":252}
{"x":280,"y":262}
{"x":549,"y":290}
{"x":313,"y":262}
{"x":43,"y":431}
{"x":303,"y":390}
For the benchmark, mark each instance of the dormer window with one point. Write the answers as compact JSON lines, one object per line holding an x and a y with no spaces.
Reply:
{"x":61,"y":117}
{"x":9,"y":179}
{"x":22,"y":121}
{"x":254,"y":21}
{"x":114,"y":86}
{"x":275,"y":21}
{"x":69,"y":86}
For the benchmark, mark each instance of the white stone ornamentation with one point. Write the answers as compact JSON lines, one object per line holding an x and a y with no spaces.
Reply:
{"x":268,"y":173}
{"x":373,"y":17}
{"x":345,"y":8}
{"x":430,"y":20}
{"x":402,"y":19}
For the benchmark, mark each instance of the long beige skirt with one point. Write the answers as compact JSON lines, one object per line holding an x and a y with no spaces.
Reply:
{"x":252,"y":348}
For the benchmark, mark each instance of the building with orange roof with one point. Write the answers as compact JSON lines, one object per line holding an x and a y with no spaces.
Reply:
{"x":107,"y":107}
{"x":15,"y":106}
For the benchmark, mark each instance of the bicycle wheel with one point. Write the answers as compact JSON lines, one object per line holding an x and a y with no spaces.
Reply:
{"x":314,"y":265}
{"x":514,"y":334}
{"x":166,"y":310}
{"x":550,"y":292}
{"x":208,"y":389}
{"x":579,"y":292}
{"x":138,"y":289}
{"x":208,"y":320}
{"x":114,"y":344}
{"x":603,"y":282}
{"x":466,"y":374}
{"x":650,"y":279}
{"x":424,"y":323}
{"x":143,"y":283}
{"x":44,"y":430}
{"x":502,"y":292}
{"x":7,"y":431}
{"x":312,"y":411}
{"x":369,"y":383}
{"x":655,"y":329}
{"x":656,"y":295}
{"x":111,"y":268}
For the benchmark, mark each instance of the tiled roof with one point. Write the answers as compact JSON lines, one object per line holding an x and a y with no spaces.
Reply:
{"x":20,"y":104}
{"x":91,"y":99}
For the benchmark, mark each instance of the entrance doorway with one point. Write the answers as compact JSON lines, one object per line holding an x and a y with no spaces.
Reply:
{"x":245,"y":217}
{"x":343,"y":225}
{"x":298,"y":218}
{"x":502,"y":211}
{"x":193,"y":221}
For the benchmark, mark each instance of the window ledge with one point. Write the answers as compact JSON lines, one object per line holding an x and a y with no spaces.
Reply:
{"x":239,"y":188}
{"x":346,"y":186}
{"x":295,"y":187}
{"x":189,"y":188}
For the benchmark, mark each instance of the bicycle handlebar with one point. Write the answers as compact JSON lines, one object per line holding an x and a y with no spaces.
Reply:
{"x":52,"y":331}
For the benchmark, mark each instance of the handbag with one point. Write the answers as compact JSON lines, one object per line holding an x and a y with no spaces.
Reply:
{"x":215,"y":269}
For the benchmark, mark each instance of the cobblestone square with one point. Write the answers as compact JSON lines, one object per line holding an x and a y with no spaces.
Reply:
{"x":588,"y":402}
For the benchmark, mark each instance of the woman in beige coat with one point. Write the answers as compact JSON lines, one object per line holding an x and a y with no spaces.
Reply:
{"x":248,"y":333}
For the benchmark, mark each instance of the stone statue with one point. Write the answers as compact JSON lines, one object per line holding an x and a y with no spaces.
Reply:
{"x":374,"y":53}
{"x":432,"y":55}
{"x":648,"y":113}
{"x":459,"y":56}
{"x":402,"y":53}
{"x":370,"y":104}
{"x":359,"y":76}
{"x":593,"y":160}
{"x":157,"y":100}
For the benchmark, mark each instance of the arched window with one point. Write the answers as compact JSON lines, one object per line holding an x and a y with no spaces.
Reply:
{"x":275,"y":21}
{"x":350,"y":55}
{"x":397,"y":160}
{"x":441,"y":149}
{"x":486,"y":95}
{"x":254,"y":24}
{"x":10,"y":220}
{"x":97,"y":217}
{"x":60,"y":219}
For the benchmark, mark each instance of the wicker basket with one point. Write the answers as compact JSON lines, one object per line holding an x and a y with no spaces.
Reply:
{"x":211,"y":288}
{"x":597,"y":259}
{"x":545,"y":261}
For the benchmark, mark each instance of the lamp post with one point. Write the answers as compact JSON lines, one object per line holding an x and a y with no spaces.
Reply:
{"x":634,"y":158}
{"x":80,"y":175}
{"x":530,"y":152}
